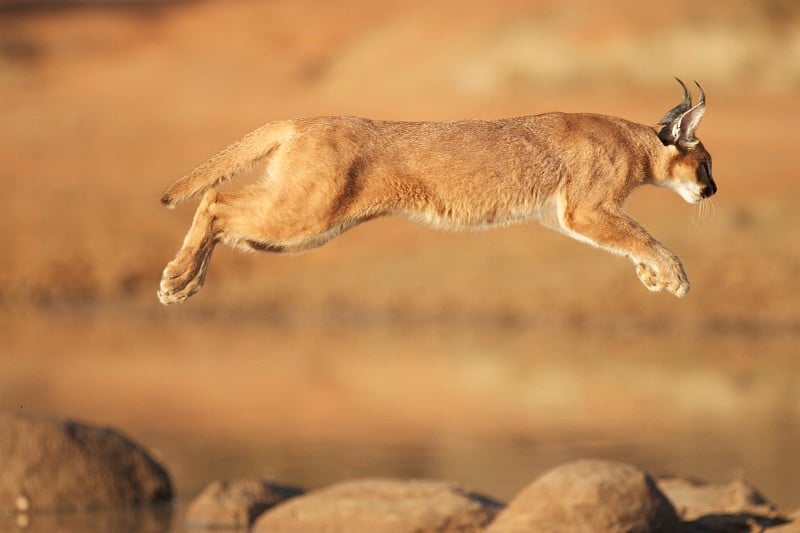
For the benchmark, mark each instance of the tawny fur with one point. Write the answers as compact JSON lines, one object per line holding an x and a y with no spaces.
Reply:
{"x":571,"y":172}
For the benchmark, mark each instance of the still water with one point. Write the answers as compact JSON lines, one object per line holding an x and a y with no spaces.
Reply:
{"x":490,"y":408}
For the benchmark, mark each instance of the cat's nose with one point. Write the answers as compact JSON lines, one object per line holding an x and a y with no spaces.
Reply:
{"x":709,"y":190}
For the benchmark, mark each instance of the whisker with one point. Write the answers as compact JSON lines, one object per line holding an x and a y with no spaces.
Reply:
{"x":704,"y":209}
{"x":698,"y":214}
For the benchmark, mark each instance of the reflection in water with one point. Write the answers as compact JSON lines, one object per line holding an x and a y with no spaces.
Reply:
{"x":145,"y":520}
{"x":492,"y":408}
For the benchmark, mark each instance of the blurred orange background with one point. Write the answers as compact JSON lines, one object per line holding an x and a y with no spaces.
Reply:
{"x":484,"y":358}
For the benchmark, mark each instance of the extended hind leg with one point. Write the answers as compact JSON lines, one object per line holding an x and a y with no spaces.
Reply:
{"x":184,"y":275}
{"x":251,"y":220}
{"x":263,"y":220}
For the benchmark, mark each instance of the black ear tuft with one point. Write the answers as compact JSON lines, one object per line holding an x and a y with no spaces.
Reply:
{"x":686,"y":104}
{"x":681,"y":121}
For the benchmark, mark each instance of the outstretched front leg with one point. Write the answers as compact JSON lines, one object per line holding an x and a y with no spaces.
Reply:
{"x":609,"y":228}
{"x":184,"y":275}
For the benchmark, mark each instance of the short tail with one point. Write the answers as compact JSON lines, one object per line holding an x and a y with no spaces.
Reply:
{"x":221,"y":167}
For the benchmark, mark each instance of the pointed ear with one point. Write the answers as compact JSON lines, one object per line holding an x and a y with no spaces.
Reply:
{"x":670,"y":116}
{"x":682,"y":129}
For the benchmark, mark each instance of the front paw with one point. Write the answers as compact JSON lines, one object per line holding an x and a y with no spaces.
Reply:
{"x":649,"y":278}
{"x":681,"y":288}
{"x":670,"y":277}
{"x":676,"y":280}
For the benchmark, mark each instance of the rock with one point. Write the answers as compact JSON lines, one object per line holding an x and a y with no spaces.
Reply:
{"x":791,"y":525}
{"x":51,"y":464}
{"x":235,"y":504}
{"x":589,"y":495}
{"x":735,"y":506}
{"x":740,"y":523}
{"x":386,"y":505}
{"x":693,"y":499}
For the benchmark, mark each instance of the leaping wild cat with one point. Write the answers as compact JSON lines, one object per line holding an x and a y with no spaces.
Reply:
{"x":571,"y":172}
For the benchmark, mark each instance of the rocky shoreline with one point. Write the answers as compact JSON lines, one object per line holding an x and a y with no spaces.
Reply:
{"x":68,"y":476}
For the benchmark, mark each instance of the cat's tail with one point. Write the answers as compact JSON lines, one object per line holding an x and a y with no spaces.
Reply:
{"x":232,"y":160}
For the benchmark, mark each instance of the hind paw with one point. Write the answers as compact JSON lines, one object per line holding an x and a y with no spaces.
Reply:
{"x":178,"y":283}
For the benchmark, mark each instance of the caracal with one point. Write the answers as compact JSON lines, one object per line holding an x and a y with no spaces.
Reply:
{"x":321,"y":176}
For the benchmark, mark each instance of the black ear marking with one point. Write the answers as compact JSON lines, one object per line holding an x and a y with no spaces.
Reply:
{"x":665,"y":135}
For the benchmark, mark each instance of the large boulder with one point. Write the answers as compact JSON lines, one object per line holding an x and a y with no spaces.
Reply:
{"x":386,"y":505}
{"x":592,"y":496}
{"x":51,"y":464}
{"x":235,"y":504}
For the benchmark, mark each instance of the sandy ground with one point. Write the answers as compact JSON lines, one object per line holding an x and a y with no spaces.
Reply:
{"x":442,"y":348}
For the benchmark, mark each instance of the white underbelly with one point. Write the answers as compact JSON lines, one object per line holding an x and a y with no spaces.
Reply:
{"x":454,"y":220}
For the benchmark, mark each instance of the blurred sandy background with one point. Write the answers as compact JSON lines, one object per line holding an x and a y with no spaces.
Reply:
{"x":484,"y":358}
